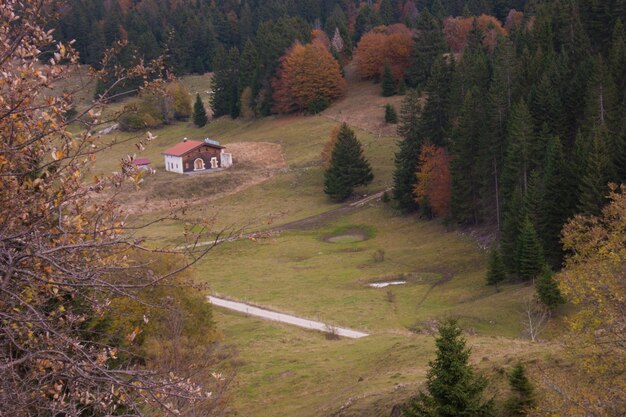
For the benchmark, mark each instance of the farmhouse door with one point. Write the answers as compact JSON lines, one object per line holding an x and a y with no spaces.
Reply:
{"x":198,"y":164}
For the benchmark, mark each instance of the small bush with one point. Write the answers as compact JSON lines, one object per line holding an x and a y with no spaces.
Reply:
{"x":385,"y":198}
{"x":390,"y":114}
{"x":317,"y":106}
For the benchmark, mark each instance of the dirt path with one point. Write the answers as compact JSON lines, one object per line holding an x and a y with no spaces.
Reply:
{"x":308,"y":222}
{"x":285,"y":318}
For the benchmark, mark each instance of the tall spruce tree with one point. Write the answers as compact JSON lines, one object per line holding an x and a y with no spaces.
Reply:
{"x":529,"y":251}
{"x":348,"y":167}
{"x":496,"y":271}
{"x":387,"y":82}
{"x":435,"y":120}
{"x":558,"y":202}
{"x":522,"y":397}
{"x":596,"y":175}
{"x":465,"y":164}
{"x":521,"y":148}
{"x":409,"y":148}
{"x":200,"y":118}
{"x":547,"y":289}
{"x":452,"y":386}
{"x":513,"y":218}
{"x":429,"y":44}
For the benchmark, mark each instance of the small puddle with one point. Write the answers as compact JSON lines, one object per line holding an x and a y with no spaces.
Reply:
{"x":385,"y":284}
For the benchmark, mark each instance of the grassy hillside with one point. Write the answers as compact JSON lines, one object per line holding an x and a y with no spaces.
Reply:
{"x":321,"y":271}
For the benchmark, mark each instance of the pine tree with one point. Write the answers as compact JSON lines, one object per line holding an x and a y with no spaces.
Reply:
{"x":596,"y":175}
{"x":558,"y":202}
{"x":429,"y":45}
{"x":199,"y":113}
{"x":496,"y":272}
{"x":453,"y":388}
{"x":386,"y":12}
{"x":435,"y":121}
{"x":522,"y":397}
{"x":348,"y":167}
{"x":387,"y":82}
{"x":465,"y":165}
{"x":407,"y":156}
{"x":522,"y":146}
{"x":390,"y":114}
{"x":513,"y":217}
{"x":548,"y":290}
{"x":529,"y":252}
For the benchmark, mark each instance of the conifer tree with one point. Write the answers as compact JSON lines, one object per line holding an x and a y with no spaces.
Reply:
{"x":435,"y":121}
{"x":529,"y":252}
{"x":513,"y":217}
{"x":387,"y":81}
{"x":496,"y":272}
{"x":521,"y":148}
{"x":429,"y":44}
{"x":199,"y":113}
{"x":464,"y":167}
{"x":453,"y":388}
{"x":596,"y":175}
{"x":558,"y":202}
{"x":348,"y":167}
{"x":548,"y":290}
{"x":522,"y":397}
{"x":387,"y":15}
{"x":390,"y":114}
{"x":407,"y":156}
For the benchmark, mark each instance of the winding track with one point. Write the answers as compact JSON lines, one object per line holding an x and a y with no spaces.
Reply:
{"x":281,"y":317}
{"x":298,"y":224}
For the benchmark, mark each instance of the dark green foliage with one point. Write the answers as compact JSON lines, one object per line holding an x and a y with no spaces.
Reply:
{"x":317,"y":106}
{"x":348,"y":167}
{"x":401,"y":87}
{"x":387,"y":15}
{"x":496,"y":271}
{"x":548,"y":289}
{"x":522,"y":397}
{"x":452,"y":386}
{"x":558,"y":201}
{"x":596,"y":174}
{"x":366,"y":20}
{"x":409,"y":148}
{"x":387,"y":82}
{"x":390,"y":114}
{"x":521,"y":148}
{"x":200,"y":118}
{"x":465,"y":166}
{"x":428,"y":46}
{"x":513,"y":217}
{"x":435,"y":121}
{"x":529,"y":251}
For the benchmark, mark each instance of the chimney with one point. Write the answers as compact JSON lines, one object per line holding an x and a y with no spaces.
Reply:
{"x":184,"y":139}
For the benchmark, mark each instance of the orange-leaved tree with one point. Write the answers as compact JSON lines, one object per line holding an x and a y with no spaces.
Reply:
{"x":457,"y":29}
{"x":308,"y":77}
{"x":392,"y":43}
{"x":434,"y":183}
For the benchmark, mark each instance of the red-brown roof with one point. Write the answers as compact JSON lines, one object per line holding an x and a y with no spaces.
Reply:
{"x":141,"y":161}
{"x":183,"y":147}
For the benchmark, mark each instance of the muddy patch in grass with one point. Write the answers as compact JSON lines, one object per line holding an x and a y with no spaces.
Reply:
{"x":349,"y":234}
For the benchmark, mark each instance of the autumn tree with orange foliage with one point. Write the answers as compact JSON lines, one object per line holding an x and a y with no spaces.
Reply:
{"x":457,"y":29}
{"x":434,"y":182}
{"x":308,"y":77}
{"x":392,"y":43}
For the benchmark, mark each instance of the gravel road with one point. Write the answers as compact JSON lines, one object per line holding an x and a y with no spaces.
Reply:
{"x":284,"y":318}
